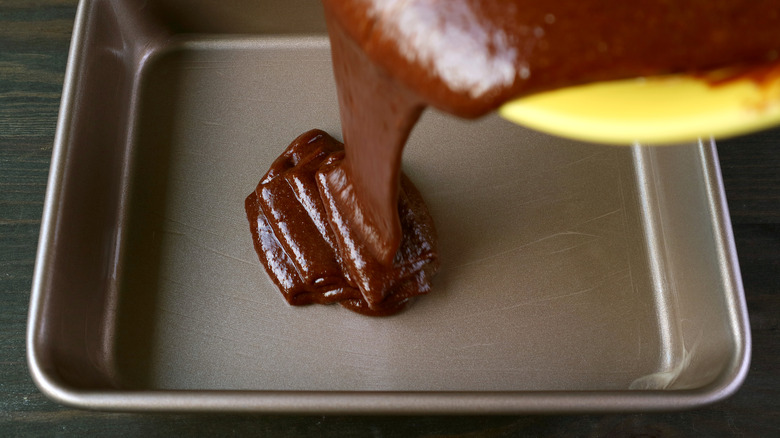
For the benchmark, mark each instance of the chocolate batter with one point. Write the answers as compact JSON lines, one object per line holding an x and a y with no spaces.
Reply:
{"x":307,"y":246}
{"x":467,"y":57}
{"x":347,"y":227}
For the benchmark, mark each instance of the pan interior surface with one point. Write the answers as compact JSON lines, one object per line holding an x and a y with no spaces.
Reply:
{"x":566,"y":266}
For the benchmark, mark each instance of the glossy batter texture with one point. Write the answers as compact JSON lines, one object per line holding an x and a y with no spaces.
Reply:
{"x":363,"y":237}
{"x":467,"y":57}
{"x":308,"y":248}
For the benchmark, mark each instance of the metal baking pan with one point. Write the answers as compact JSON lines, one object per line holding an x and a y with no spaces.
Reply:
{"x":575,"y":277}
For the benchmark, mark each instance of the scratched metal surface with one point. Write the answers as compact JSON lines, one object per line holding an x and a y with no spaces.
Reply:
{"x":566,"y":267}
{"x":536,"y":275}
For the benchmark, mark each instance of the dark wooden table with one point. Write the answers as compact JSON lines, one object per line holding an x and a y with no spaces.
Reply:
{"x":34,"y":37}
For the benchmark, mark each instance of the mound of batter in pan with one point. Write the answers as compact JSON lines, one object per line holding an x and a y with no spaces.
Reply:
{"x":305,"y":242}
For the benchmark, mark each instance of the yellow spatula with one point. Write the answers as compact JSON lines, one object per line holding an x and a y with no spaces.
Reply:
{"x":664,"y":109}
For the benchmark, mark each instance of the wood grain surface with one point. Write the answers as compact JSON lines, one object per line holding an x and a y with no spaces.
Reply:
{"x":34,"y":38}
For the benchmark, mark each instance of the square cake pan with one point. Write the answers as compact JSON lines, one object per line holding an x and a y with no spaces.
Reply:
{"x":575,"y":277}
